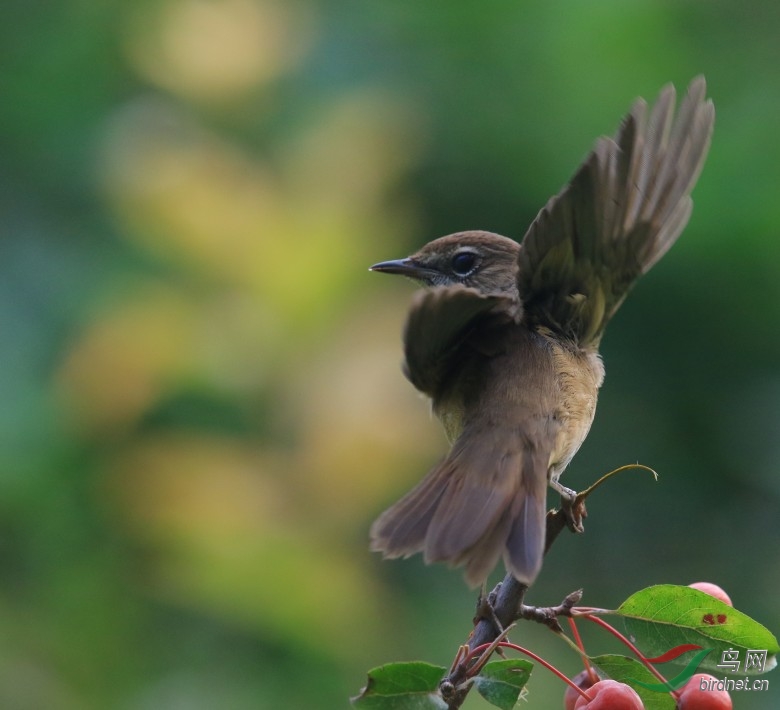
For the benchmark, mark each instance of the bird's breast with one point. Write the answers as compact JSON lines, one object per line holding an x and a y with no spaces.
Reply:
{"x":534,"y":384}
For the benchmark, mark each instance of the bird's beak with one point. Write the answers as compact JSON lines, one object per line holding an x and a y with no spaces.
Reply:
{"x":404,"y":267}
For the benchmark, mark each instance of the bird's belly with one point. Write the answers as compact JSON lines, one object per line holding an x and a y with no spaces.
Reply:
{"x":579,"y":376}
{"x":539,"y":388}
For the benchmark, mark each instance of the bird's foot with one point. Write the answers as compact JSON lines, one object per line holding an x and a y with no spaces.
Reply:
{"x":573,"y":507}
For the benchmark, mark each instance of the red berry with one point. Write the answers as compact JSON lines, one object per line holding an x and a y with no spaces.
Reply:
{"x":713,"y":590}
{"x":610,"y":695}
{"x":583,"y":680}
{"x":699,"y":694}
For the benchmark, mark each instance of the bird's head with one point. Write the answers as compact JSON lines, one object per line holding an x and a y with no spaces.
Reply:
{"x":481,"y":260}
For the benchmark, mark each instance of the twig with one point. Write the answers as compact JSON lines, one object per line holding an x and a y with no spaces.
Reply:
{"x":548,"y":615}
{"x":506,"y":602}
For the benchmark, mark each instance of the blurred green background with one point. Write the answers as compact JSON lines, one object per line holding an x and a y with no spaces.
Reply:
{"x":202,"y":407}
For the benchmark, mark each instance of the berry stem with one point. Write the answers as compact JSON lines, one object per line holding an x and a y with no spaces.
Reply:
{"x":578,"y":639}
{"x":538,"y":659}
{"x":620,"y":637}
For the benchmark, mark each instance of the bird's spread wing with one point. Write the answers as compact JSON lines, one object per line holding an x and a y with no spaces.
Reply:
{"x":622,"y":210}
{"x":438,"y":321}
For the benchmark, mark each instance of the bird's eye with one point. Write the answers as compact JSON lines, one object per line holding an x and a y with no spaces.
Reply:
{"x":464,"y":262}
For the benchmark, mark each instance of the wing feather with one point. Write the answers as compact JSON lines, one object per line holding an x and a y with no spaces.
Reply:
{"x":620,"y":213}
{"x":438,"y":322}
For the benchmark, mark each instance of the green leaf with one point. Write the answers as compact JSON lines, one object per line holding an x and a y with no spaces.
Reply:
{"x":500,"y":682}
{"x":661,"y":617}
{"x":629,"y":671}
{"x":402,"y":686}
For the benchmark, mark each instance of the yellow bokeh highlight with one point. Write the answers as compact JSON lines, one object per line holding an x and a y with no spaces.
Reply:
{"x":213,"y":50}
{"x":295,"y":234}
{"x":229,"y":538}
{"x":127,"y":359}
{"x":366,"y":435}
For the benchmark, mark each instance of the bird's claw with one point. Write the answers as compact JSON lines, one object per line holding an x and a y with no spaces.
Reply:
{"x":573,"y":508}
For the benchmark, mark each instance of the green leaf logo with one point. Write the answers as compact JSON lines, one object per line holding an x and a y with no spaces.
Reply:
{"x":681,"y":678}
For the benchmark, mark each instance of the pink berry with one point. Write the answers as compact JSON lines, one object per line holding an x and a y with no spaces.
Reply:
{"x":699,"y":694}
{"x":713,"y":590}
{"x":610,"y":695}
{"x":582,"y":680}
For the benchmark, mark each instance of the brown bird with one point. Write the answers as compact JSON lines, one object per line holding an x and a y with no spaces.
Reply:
{"x":505,"y":340}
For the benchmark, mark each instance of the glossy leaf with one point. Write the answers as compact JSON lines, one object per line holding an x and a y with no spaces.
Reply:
{"x":501,"y":682}
{"x":629,"y":671}
{"x":402,"y":686}
{"x":664,"y":616}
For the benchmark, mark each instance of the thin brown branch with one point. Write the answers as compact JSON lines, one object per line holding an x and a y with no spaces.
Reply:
{"x":503,"y":606}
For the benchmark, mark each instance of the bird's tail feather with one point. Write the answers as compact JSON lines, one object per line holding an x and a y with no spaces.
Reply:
{"x":474,"y":507}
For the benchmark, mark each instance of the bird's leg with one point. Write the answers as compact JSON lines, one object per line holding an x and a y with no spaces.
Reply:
{"x":573,"y":510}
